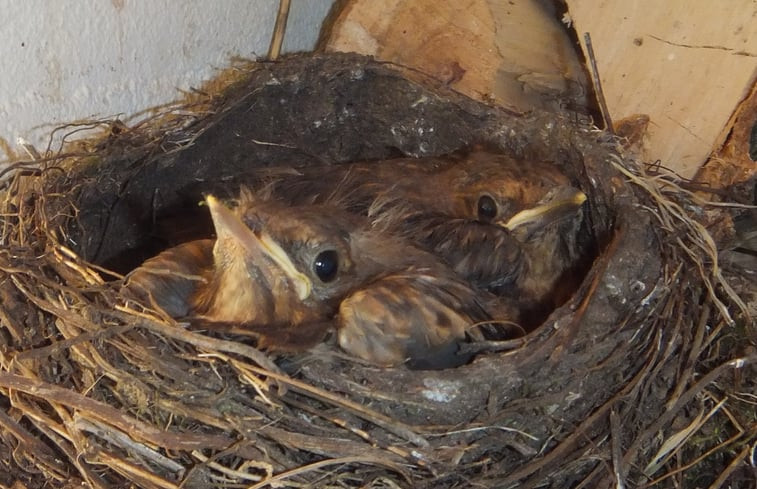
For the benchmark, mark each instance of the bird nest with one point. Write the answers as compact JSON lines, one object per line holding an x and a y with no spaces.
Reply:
{"x":95,"y":390}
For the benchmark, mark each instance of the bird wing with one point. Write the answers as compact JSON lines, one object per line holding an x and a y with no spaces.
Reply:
{"x":170,"y":279}
{"x":488,"y":256}
{"x":412,"y":317}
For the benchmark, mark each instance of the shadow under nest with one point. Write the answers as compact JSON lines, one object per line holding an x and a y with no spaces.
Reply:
{"x":95,"y":392}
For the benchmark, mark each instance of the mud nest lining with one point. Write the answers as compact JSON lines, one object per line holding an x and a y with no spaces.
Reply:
{"x":97,"y":392}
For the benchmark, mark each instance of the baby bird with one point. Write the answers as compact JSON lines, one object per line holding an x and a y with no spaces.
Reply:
{"x":515,"y":227}
{"x":285,"y":271}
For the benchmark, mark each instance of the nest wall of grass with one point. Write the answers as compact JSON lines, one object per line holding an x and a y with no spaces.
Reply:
{"x":95,"y":391}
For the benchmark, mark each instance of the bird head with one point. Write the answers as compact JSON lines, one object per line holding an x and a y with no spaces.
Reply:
{"x":288,"y":263}
{"x":555,"y":249}
{"x":523,"y":231}
{"x":490,"y":187}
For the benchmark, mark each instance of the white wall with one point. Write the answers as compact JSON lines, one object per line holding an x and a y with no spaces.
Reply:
{"x":64,"y":60}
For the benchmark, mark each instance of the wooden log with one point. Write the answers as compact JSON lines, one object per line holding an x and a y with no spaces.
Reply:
{"x":516,"y":54}
{"x":684,"y":65}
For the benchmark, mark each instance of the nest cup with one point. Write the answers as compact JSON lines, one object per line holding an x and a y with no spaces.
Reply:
{"x":98,"y":392}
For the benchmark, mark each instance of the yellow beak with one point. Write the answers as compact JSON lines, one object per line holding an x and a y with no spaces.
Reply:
{"x":230,"y":228}
{"x":561,"y":204}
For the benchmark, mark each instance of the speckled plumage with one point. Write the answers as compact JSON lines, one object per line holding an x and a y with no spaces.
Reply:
{"x":390,"y":301}
{"x":436,"y":203}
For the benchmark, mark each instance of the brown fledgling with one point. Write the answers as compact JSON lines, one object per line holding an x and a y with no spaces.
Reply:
{"x":280,"y":270}
{"x":512,"y":226}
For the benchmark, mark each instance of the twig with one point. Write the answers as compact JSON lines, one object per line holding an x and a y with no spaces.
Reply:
{"x":325,"y":463}
{"x":198,"y":340}
{"x":29,"y":445}
{"x":100,"y":410}
{"x":134,"y":473}
{"x":694,"y":351}
{"x":717,"y":483}
{"x":598,"y":85}
{"x":398,"y":428}
{"x":694,"y":462}
{"x":618,"y":467}
{"x":684,"y":399}
{"x":279,"y":30}
{"x":238,"y":474}
{"x":121,"y":439}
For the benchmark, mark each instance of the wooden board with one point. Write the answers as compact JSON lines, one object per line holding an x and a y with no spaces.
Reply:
{"x":516,"y":54}
{"x":686,"y":64}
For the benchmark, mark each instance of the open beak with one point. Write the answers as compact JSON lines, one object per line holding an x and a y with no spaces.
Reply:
{"x":259,"y":246}
{"x":557,"y":205}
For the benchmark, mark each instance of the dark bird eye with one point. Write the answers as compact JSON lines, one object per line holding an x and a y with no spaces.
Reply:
{"x":326,"y":265}
{"x":487,"y":208}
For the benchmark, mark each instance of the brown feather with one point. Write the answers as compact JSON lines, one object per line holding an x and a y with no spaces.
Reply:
{"x":170,"y":279}
{"x":434,"y":203}
{"x":392,"y":301}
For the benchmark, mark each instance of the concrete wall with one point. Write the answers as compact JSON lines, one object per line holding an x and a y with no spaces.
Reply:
{"x":64,"y":60}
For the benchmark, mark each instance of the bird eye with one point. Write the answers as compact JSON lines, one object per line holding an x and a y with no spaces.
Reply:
{"x":326,"y":265}
{"x":487,"y":208}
